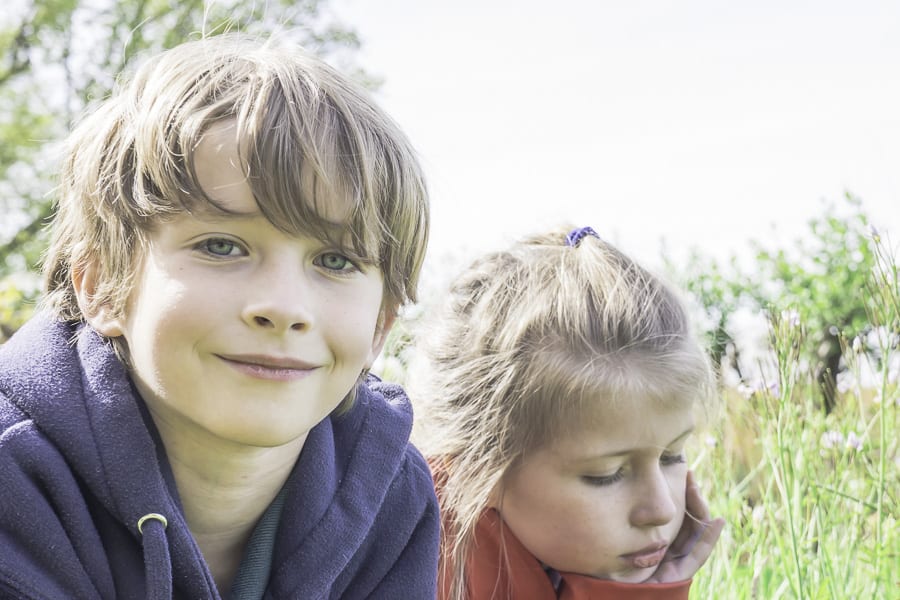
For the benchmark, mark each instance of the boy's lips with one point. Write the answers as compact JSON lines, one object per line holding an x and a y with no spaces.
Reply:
{"x":279,"y":368}
{"x":647,"y":557}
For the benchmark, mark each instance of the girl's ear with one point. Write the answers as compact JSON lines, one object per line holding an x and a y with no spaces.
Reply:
{"x":382,"y":329}
{"x":99,"y":316}
{"x":495,"y":499}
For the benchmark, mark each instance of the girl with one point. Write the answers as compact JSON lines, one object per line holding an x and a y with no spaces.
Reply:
{"x":559,"y":389}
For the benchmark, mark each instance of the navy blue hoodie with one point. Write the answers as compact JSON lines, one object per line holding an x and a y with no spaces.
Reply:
{"x":81,"y":464}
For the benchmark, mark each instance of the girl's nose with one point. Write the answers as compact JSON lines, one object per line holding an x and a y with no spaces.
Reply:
{"x":654,"y":504}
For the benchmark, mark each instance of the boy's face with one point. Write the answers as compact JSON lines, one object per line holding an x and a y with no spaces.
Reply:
{"x":238,"y":330}
{"x":605,"y":501}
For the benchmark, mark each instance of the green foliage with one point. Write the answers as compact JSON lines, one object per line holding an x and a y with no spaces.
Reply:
{"x":57,"y":57}
{"x":811,"y":499}
{"x":819,"y":279}
{"x":720,"y":296}
{"x":16,"y":306}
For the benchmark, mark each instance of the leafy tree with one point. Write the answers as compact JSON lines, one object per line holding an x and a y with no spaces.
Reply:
{"x":720,"y":296}
{"x":58,"y":57}
{"x":822,"y":279}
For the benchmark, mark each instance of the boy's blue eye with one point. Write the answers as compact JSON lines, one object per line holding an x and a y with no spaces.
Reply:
{"x":335,"y":262}
{"x":601,"y":480}
{"x":220,"y":247}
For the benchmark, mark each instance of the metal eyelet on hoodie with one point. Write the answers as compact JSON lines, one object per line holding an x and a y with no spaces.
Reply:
{"x":147,"y":517}
{"x":157,"y":560}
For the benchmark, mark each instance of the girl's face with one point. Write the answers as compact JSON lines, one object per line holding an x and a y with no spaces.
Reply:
{"x":607,"y":500}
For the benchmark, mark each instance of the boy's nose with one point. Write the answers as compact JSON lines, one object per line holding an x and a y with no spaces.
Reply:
{"x":654,"y":505}
{"x":279,"y":305}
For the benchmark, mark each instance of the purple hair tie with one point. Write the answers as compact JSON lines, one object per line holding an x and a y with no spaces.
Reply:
{"x":576,"y":235}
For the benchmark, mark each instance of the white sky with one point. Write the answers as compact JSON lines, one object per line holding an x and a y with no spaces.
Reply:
{"x":700,"y":122}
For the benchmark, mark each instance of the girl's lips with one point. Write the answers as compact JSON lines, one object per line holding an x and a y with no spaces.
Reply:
{"x":646,"y":558}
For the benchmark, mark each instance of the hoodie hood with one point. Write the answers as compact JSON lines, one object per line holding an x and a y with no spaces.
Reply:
{"x":67,"y":382}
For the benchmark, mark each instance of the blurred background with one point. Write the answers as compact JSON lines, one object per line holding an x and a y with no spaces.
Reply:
{"x":694,"y":123}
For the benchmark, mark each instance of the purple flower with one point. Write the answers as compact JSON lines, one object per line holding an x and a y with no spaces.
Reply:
{"x":873,"y":233}
{"x":791,"y":317}
{"x":830,"y":439}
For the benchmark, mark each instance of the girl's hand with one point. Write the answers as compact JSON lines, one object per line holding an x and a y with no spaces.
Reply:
{"x":695,"y":541}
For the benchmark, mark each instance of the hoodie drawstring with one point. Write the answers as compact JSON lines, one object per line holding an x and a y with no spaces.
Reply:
{"x":157,"y":562}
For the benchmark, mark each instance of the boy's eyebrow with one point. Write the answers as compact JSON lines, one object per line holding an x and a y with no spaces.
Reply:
{"x":625,"y":452}
{"x":214,"y":216}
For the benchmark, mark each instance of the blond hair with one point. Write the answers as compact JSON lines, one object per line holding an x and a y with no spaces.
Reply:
{"x":531,"y":340}
{"x":307,"y":135}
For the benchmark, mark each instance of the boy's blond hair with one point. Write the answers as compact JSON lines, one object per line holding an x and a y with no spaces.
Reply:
{"x":307,"y":136}
{"x":533,"y":342}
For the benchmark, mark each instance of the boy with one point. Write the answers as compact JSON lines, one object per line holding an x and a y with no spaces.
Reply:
{"x":192,"y":415}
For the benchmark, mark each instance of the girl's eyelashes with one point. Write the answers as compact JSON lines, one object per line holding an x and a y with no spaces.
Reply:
{"x":671,"y":459}
{"x":601,"y":480}
{"x":665,"y":460}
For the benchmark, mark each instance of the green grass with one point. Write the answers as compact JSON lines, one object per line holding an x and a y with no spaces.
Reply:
{"x":812,"y":500}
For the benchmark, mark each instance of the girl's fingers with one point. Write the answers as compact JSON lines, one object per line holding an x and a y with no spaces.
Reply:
{"x":696,"y":514}
{"x":694,"y":542}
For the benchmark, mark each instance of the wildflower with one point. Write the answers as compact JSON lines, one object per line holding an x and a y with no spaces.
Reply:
{"x":791,"y":317}
{"x":758,"y":513}
{"x":745,"y":391}
{"x":830,"y":439}
{"x":844,"y":383}
{"x":773,"y":388}
{"x":711,"y":441}
{"x":873,"y":233}
{"x":854,"y":441}
{"x":857,"y":345}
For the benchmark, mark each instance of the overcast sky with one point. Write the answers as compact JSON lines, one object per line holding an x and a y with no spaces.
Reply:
{"x":701,"y":123}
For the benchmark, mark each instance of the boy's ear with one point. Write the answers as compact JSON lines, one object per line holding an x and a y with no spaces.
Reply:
{"x":382,"y":329}
{"x":98,"y":316}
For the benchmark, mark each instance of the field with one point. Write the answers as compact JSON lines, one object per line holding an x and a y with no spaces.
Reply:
{"x":812,"y":499}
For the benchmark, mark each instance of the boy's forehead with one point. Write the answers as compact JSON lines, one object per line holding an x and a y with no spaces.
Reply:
{"x":225,"y":178}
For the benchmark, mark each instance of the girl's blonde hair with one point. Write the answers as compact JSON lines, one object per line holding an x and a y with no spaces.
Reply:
{"x":530,"y":341}
{"x":307,"y":136}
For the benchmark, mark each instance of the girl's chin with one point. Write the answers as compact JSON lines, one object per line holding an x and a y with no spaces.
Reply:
{"x":631,"y":575}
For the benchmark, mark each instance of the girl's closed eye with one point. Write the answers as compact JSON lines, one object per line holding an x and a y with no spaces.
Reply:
{"x":601,"y":480}
{"x":671,"y":459}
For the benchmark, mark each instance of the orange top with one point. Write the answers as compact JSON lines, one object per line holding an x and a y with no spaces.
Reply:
{"x":520,"y":576}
